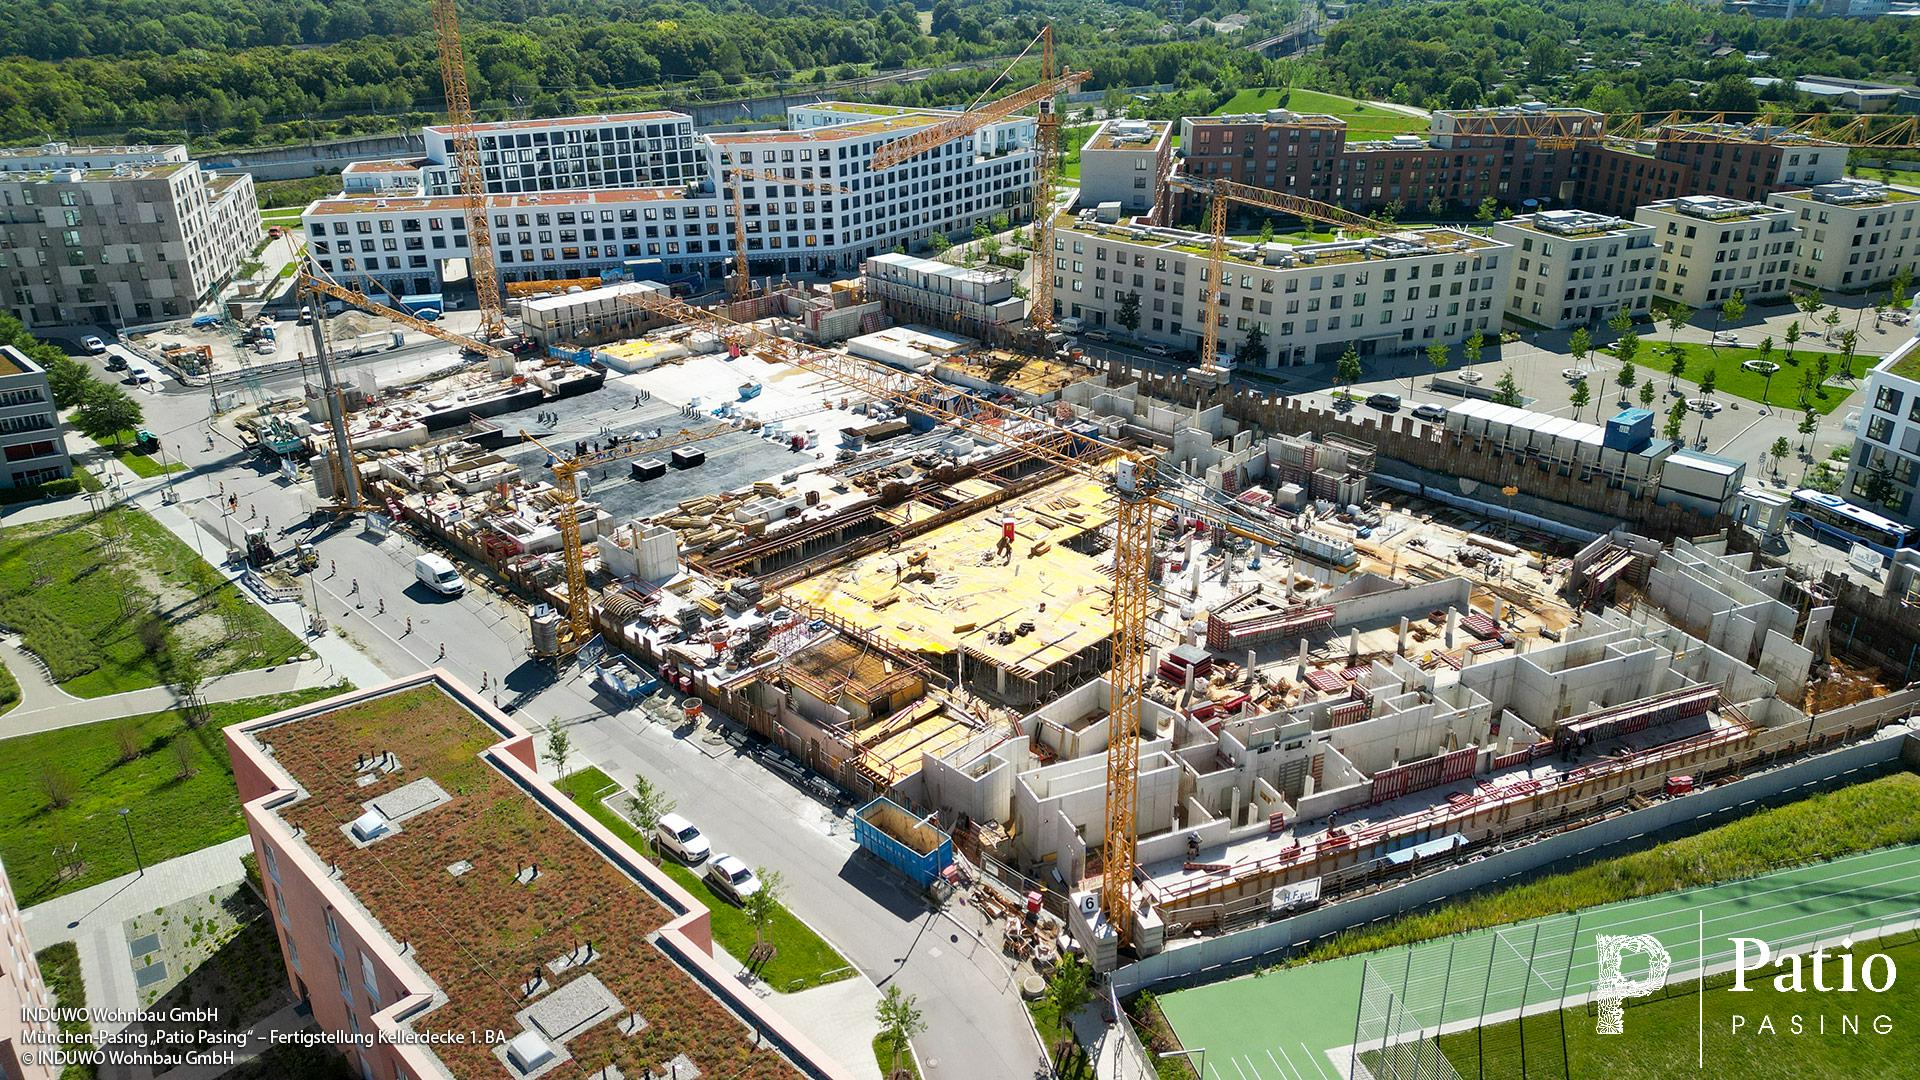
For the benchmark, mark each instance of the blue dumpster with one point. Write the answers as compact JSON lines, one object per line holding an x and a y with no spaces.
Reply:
{"x":903,"y":841}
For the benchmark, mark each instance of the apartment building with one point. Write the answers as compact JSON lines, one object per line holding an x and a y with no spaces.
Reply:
{"x":828,"y":212}
{"x":1123,"y":161}
{"x":33,"y":449}
{"x":23,"y":1037}
{"x":1575,"y":268}
{"x":117,"y":236}
{"x":1854,"y":234}
{"x":1381,"y":296}
{"x":443,"y":910}
{"x":1712,"y":246}
{"x":1883,"y":471}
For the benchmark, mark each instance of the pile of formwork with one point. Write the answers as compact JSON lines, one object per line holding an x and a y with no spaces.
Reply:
{"x":710,"y":522}
{"x":1250,"y":618}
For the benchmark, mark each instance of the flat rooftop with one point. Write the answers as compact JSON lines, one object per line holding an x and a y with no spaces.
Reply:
{"x":1404,"y":243}
{"x":477,"y":933}
{"x":1130,"y":137}
{"x":372,"y":202}
{"x":976,"y":593}
{"x":566,"y":121}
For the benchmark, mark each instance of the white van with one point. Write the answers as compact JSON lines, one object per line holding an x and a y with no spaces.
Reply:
{"x":678,"y":837}
{"x":439,"y":575}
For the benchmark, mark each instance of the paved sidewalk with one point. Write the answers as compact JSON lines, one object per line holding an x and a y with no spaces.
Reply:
{"x":46,"y":707}
{"x":838,"y":1017}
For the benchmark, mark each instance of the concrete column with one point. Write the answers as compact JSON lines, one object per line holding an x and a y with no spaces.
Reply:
{"x":1453,"y":624}
{"x":1499,"y":609}
{"x":1402,"y":647}
{"x":1193,"y":567}
{"x":1353,"y":643}
{"x":1233,"y":811}
{"x":1000,"y":680}
{"x":1306,"y":786}
{"x":1301,"y":666}
{"x":1249,"y":668}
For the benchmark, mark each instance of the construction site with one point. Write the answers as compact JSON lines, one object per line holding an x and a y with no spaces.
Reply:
{"x":1175,"y":674}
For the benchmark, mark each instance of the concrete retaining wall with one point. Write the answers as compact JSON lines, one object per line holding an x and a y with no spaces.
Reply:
{"x":1235,"y":954}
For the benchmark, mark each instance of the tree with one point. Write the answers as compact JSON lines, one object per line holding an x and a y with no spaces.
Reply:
{"x":1830,"y":320}
{"x":900,"y":1023}
{"x":1627,"y":377}
{"x":1709,"y":380}
{"x":1580,"y":396}
{"x":1253,"y":347}
{"x":1809,"y":302}
{"x":1627,"y":348}
{"x":1489,"y":207}
{"x":1474,"y":343}
{"x":55,"y":785}
{"x":1778,"y":451}
{"x":1821,"y":369}
{"x":1849,"y":341}
{"x":559,"y":747}
{"x":1793,"y":338}
{"x":1677,"y":316}
{"x":646,"y":806}
{"x":939,"y":243}
{"x":764,"y":903}
{"x":1068,"y":991}
{"x":1897,"y":288}
{"x":1435,"y":207}
{"x":1580,"y":344}
{"x":185,"y":761}
{"x":1808,"y":425}
{"x":106,"y":412}
{"x":1621,"y":320}
{"x":1676,"y":364}
{"x":1507,"y":390}
{"x":1437,"y":355}
{"x":1349,"y":368}
{"x":1391,"y":212}
{"x":1733,"y":307}
{"x":1676,"y":419}
{"x":1879,"y":488}
{"x":1129,"y":313}
{"x":126,"y":736}
{"x":68,"y":379}
{"x":1647,"y":394}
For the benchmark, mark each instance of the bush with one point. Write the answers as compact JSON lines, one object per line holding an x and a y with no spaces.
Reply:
{"x":61,"y":488}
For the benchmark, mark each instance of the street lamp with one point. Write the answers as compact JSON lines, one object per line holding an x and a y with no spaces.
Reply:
{"x":126,"y":819}
{"x":1189,"y":1055}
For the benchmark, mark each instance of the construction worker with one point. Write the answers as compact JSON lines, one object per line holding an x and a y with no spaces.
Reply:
{"x":443,"y":653}
{"x":355,"y":590}
{"x":409,"y":626}
{"x":381,"y":608}
{"x":332,"y":568}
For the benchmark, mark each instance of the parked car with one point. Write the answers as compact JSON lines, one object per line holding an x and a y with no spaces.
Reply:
{"x":93,"y":345}
{"x":438,"y":574}
{"x":265,"y":346}
{"x":1435,"y":413}
{"x":732,"y":878}
{"x":116,"y":362}
{"x":141,"y":376}
{"x":1384,"y":402}
{"x":201,"y":322}
{"x":1156,"y":349}
{"x":306,"y":314}
{"x":679,"y":838}
{"x":1097,"y":335}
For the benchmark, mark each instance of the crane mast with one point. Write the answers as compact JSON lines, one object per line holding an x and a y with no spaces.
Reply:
{"x":469,"y":171}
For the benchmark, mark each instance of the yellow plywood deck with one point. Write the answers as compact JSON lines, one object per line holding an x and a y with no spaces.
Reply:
{"x":1025,"y":374}
{"x":1065,"y":594}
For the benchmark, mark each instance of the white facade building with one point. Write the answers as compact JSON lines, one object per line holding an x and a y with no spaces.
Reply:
{"x":1121,"y":162}
{"x":1887,"y":441}
{"x":827,"y":214}
{"x":1382,"y":296}
{"x":1854,"y":234}
{"x":1573,"y":267}
{"x":1712,"y":247}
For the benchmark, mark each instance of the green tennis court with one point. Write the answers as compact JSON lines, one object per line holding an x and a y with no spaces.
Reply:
{"x":1286,"y":1025}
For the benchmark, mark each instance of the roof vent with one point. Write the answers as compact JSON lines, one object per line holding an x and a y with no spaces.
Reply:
{"x":370,"y":826}
{"x":528,"y":1052}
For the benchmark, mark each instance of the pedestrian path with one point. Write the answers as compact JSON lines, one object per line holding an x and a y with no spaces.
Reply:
{"x":46,"y":707}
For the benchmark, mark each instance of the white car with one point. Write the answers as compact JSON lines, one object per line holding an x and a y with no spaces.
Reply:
{"x":678,"y":837}
{"x":732,"y":878}
{"x":1156,"y":350}
{"x":93,"y":345}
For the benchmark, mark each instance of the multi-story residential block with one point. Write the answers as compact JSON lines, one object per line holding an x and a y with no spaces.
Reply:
{"x":1854,"y":234}
{"x":117,"y":235}
{"x":33,"y":449}
{"x":1311,"y":302}
{"x":398,"y":222}
{"x":1712,"y":246}
{"x":1573,"y":267}
{"x":1883,"y":470}
{"x":445,"y":911}
{"x":24,"y":1036}
{"x":1123,"y":161}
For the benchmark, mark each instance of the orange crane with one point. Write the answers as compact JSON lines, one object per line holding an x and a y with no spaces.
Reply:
{"x":1133,"y":477}
{"x":469,"y":171}
{"x":1219,"y":193}
{"x":1561,"y":130}
{"x":1046,"y":155}
{"x":742,"y":281}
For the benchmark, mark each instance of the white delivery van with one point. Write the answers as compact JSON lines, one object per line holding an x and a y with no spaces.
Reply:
{"x":439,"y":575}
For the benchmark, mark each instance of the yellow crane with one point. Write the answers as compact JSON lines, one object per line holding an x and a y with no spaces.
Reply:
{"x":1219,"y":193}
{"x":313,"y":280}
{"x":1553,"y":130}
{"x":1130,"y":474}
{"x":566,"y":519}
{"x":1046,"y":155}
{"x":469,"y":171}
{"x":742,"y":282}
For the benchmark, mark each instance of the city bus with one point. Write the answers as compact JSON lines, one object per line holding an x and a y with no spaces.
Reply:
{"x":1833,"y":517}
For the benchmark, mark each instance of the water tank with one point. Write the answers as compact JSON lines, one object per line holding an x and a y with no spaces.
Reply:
{"x":544,"y":626}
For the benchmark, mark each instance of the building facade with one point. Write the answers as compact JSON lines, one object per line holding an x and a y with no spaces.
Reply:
{"x":33,"y":449}
{"x":23,"y":1037}
{"x":1381,"y":296}
{"x":1883,"y":469}
{"x":1855,"y":235}
{"x":827,"y":212}
{"x":1712,"y":246}
{"x":1122,"y":162}
{"x":1574,"y":267}
{"x":118,"y":236}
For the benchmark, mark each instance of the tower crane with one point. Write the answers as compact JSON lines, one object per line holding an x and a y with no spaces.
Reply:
{"x":1131,"y":474}
{"x":468,"y":170}
{"x":742,"y":282}
{"x":1046,"y":154}
{"x":1219,"y":193}
{"x":1561,"y":130}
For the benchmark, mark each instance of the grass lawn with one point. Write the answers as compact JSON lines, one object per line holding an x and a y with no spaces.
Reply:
{"x":78,"y":589}
{"x":1652,"y":362}
{"x":9,"y":690}
{"x":60,"y":971}
{"x":1363,"y":121}
{"x":1071,"y":140}
{"x":1658,"y":1040}
{"x":1293,"y":236}
{"x":883,"y":1056}
{"x":171,"y":815}
{"x":803,"y":960}
{"x":1861,"y":817}
{"x":1071,"y":1062}
{"x":296,"y":193}
{"x":145,"y":465}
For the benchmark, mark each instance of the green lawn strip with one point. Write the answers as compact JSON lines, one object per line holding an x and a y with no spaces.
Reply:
{"x":1784,"y":392}
{"x":61,"y":589}
{"x":1651,"y":1045}
{"x":171,"y":815}
{"x":1879,"y":813}
{"x":294,"y":194}
{"x":883,"y":1056}
{"x":147,"y":465}
{"x":803,"y":959}
{"x":60,"y":971}
{"x":1070,"y":1062}
{"x":1071,"y":140}
{"x":9,"y":689}
{"x":1364,"y":122}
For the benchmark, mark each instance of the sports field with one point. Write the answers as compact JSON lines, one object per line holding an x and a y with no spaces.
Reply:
{"x":1286,"y":1025}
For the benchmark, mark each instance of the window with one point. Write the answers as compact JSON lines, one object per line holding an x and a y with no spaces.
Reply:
{"x":1888,"y":400}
